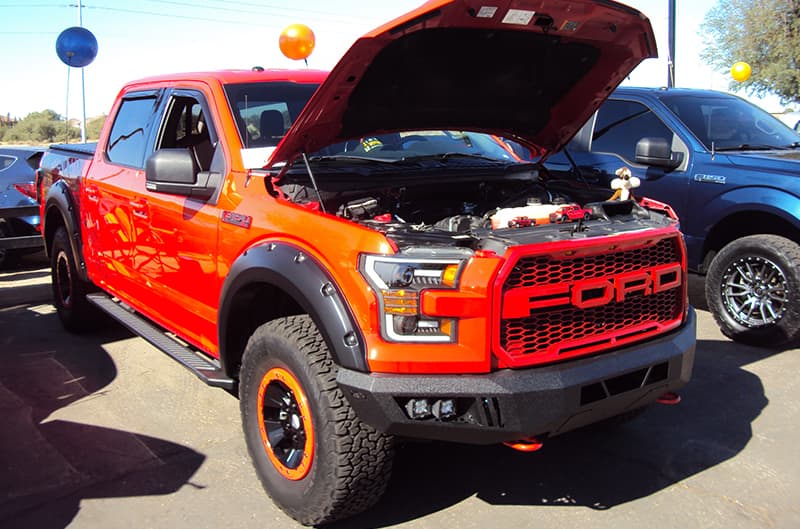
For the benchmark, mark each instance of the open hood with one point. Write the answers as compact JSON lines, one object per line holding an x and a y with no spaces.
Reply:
{"x":528,"y":70}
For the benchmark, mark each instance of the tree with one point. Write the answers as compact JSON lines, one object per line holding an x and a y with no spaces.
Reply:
{"x":41,"y":127}
{"x":94,"y":126}
{"x":762,"y":33}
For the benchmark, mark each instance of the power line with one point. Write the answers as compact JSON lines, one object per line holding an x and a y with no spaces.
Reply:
{"x":191,"y":17}
{"x":261,"y":11}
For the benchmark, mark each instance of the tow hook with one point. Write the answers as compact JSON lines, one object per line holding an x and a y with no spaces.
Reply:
{"x":530,"y":444}
{"x":669,"y":398}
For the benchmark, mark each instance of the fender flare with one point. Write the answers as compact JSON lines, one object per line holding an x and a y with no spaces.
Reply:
{"x":773,"y":201}
{"x":304,"y":278}
{"x":59,"y":197}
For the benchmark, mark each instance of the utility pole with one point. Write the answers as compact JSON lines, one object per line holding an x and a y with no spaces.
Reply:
{"x":671,"y":44}
{"x":83,"y":79}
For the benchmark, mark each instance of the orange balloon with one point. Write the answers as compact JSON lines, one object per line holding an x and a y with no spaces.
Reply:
{"x":741,"y":71}
{"x":297,"y":41}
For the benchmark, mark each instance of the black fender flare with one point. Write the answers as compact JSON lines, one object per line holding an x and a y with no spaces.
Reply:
{"x":305,"y":279}
{"x":60,"y":198}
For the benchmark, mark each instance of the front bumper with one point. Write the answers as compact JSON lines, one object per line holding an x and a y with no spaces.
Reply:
{"x":508,"y":405}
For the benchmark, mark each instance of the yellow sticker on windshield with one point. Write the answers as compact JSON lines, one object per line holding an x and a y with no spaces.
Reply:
{"x":371,"y":143}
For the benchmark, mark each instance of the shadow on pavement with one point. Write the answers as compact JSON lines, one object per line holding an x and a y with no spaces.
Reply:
{"x":599,"y":467}
{"x":48,"y":466}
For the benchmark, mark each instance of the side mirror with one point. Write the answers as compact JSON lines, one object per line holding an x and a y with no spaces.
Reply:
{"x":175,"y":171}
{"x":657,"y":152}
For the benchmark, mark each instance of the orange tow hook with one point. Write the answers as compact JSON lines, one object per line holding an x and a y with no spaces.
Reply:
{"x":670,"y":398}
{"x":531,"y":444}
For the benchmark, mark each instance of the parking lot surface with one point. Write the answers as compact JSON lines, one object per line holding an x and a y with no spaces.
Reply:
{"x":102,"y":430}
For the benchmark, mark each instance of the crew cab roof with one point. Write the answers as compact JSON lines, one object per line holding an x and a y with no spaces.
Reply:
{"x":235,"y":76}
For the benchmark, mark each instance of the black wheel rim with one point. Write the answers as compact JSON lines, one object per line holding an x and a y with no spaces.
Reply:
{"x":63,"y":280}
{"x":284,"y":425}
{"x":755,"y":291}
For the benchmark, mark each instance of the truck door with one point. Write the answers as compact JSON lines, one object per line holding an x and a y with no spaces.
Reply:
{"x":109,"y":191}
{"x":178,"y":263}
{"x":608,"y":142}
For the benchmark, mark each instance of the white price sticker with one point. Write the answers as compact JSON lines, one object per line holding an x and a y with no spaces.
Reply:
{"x":520,"y":17}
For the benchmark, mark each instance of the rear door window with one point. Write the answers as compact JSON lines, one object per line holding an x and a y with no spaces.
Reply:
{"x":127,"y":142}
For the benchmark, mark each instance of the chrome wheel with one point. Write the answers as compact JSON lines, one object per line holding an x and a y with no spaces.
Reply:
{"x":755,"y":291}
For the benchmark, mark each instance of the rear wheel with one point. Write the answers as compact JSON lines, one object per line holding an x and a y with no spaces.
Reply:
{"x":753,"y":290}
{"x":315,"y":458}
{"x":69,"y":290}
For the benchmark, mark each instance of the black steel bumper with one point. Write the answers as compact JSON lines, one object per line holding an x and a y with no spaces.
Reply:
{"x":511,"y":404}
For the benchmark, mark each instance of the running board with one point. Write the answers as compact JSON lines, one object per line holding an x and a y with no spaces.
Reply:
{"x":205,"y":369}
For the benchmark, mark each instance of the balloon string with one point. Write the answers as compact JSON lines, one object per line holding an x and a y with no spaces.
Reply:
{"x":306,"y":61}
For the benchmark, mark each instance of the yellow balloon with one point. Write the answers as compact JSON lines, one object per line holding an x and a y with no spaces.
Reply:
{"x":297,"y":41}
{"x":741,"y":71}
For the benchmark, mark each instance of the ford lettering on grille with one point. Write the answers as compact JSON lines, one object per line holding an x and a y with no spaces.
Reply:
{"x":563,"y":304}
{"x":518,"y":302}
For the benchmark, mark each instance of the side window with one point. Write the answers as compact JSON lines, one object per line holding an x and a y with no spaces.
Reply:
{"x":266,"y":122}
{"x":127,"y":141}
{"x":264,"y":111}
{"x":6,"y":162}
{"x":185,"y":127}
{"x":620,"y":124}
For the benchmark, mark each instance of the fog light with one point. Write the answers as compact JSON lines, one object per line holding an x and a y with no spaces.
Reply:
{"x":418,"y":408}
{"x":444,"y":409}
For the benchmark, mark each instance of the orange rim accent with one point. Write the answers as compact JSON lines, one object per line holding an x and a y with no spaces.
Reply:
{"x":525,"y":445}
{"x":291,"y":430}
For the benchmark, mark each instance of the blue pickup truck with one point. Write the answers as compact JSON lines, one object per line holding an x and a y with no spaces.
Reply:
{"x":730,"y":170}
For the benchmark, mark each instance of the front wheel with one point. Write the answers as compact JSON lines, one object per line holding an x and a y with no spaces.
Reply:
{"x":753,"y":290}
{"x":315,"y":458}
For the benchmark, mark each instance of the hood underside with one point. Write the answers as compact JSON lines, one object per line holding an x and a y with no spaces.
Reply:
{"x":531,"y":71}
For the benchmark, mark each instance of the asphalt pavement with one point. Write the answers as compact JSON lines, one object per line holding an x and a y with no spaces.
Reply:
{"x":103,"y":431}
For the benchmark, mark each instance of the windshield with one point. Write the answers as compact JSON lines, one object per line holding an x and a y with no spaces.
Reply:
{"x":418,"y":144}
{"x":730,"y":123}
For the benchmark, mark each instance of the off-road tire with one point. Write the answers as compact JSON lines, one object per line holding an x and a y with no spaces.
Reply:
{"x":69,"y":290}
{"x":758,"y":272}
{"x":350,"y":463}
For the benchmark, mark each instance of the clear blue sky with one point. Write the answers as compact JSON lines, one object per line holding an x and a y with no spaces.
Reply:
{"x":148,"y":37}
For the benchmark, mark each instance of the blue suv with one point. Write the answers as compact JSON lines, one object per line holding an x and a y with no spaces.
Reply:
{"x":732,"y":173}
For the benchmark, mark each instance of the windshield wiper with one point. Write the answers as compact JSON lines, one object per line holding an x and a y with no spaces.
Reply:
{"x":752,"y":147}
{"x":445,"y":155}
{"x":348,"y":158}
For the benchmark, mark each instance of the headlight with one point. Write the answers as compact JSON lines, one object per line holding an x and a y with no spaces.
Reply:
{"x":398,"y":281}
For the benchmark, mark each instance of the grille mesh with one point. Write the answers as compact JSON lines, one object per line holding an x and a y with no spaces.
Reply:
{"x":550,"y":334}
{"x":542,"y":270}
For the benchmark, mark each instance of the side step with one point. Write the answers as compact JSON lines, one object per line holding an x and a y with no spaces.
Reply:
{"x":205,"y":369}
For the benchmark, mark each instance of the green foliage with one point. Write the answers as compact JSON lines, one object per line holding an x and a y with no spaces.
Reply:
{"x":41,"y":127}
{"x":47,"y":127}
{"x":762,"y":33}
{"x":94,"y":126}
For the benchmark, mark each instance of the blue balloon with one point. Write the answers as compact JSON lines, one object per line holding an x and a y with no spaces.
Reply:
{"x":76,"y":47}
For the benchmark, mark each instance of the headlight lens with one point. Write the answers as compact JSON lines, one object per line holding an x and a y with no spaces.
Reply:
{"x":398,"y":282}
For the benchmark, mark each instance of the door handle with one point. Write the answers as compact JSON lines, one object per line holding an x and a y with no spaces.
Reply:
{"x":139,"y":208}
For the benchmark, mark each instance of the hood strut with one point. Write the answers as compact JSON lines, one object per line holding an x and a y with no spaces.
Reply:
{"x":313,"y":181}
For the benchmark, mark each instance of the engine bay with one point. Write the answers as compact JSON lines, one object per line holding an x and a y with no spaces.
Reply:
{"x":471,"y":213}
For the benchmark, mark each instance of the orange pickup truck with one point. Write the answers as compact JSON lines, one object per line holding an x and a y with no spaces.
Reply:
{"x":322,"y":245}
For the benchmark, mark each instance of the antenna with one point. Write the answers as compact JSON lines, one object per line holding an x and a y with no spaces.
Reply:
{"x":246,"y":132}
